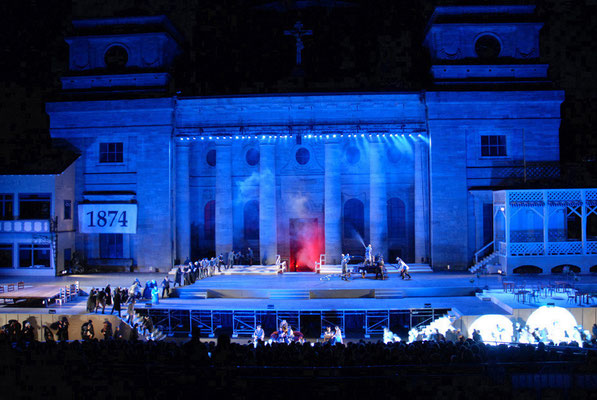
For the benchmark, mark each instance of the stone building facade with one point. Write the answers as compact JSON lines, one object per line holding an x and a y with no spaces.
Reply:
{"x":299,"y":175}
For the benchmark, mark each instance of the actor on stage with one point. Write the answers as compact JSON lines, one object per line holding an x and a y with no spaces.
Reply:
{"x":402,"y":268}
{"x":369,"y":255}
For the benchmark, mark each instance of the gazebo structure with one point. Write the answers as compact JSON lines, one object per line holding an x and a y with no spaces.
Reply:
{"x":546,"y":231}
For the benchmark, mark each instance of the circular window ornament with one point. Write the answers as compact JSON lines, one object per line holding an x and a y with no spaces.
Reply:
{"x":211,"y":158}
{"x":353,"y":155}
{"x":487,"y":47}
{"x":116,"y":57}
{"x":394,"y":154}
{"x":252,"y":156}
{"x":302,"y":156}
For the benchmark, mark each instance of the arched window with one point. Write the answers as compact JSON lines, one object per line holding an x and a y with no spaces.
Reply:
{"x":354,"y":219}
{"x":251,"y":220}
{"x":209,"y":215}
{"x":396,"y":218}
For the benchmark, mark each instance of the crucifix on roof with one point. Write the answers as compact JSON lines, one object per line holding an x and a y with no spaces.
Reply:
{"x":298,"y":32}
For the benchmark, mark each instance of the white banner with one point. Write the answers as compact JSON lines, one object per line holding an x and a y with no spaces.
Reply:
{"x":108,"y":218}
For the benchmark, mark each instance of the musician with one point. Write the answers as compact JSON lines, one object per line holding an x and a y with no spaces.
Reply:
{"x":258,"y":335}
{"x":285,"y":332}
{"x":328,"y":335}
{"x":338,"y":335}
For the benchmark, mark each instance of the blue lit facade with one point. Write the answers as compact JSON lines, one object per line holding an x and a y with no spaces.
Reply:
{"x":299,"y":175}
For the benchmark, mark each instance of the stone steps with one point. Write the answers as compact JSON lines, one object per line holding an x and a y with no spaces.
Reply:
{"x":289,"y":294}
{"x":389,"y":294}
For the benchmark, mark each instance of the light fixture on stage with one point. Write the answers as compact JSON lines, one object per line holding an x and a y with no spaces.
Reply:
{"x":493,"y":328}
{"x":555,"y":324}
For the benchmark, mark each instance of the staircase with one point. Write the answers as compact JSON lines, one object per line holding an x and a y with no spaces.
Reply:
{"x":189,"y":292}
{"x":289,"y":294}
{"x":484,"y":262}
{"x":155,"y":335}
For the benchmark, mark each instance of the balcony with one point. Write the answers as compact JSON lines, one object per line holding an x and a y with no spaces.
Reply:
{"x":25,"y":226}
{"x":547,"y":229}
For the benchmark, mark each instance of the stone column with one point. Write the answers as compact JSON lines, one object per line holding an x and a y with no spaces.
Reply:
{"x":183,"y":220}
{"x":224,"y":216}
{"x":421,"y":201}
{"x":268,"y":232}
{"x":378,"y":207}
{"x":333,"y":202}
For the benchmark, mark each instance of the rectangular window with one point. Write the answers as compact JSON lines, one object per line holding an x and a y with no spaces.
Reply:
{"x":493,"y":146}
{"x":34,"y":255}
{"x":5,"y":255}
{"x":111,"y":245}
{"x":111,"y":152}
{"x":34,"y":206}
{"x":6,"y":205}
{"x":67,"y":209}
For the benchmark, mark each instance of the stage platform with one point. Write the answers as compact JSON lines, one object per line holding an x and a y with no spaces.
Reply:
{"x":233,"y":304}
{"x":305,"y":286}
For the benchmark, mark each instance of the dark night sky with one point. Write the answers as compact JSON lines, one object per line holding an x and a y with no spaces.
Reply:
{"x":233,"y":47}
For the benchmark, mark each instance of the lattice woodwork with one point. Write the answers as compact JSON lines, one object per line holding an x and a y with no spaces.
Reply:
{"x":591,"y":247}
{"x":564,"y":195}
{"x":564,"y":248}
{"x":525,"y":196}
{"x":526,"y":249}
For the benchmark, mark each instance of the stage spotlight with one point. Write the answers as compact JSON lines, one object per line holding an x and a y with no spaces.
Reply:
{"x":202,"y":138}
{"x":555,"y":324}
{"x":493,"y":328}
{"x":210,"y":138}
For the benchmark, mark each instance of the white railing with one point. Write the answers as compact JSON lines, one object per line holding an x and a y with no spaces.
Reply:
{"x":564,"y":248}
{"x":26,"y":226}
{"x":590,"y":247}
{"x":526,"y":249}
{"x":481,"y":250}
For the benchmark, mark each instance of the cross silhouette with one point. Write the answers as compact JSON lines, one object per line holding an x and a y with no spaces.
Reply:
{"x":298,"y":32}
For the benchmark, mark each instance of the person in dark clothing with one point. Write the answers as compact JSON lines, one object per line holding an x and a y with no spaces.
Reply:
{"x":107,"y":330}
{"x":117,"y":302}
{"x":147,"y":291}
{"x":28,"y":335}
{"x":63,"y":329}
{"x":178,"y":277}
{"x":48,"y":335}
{"x":250,"y":255}
{"x":14,"y":332}
{"x":87,"y":331}
{"x":101,"y":301}
{"x":134,"y":332}
{"x":147,"y":325}
{"x":91,"y":300}
{"x":108,"y":291}
{"x":166,"y":286}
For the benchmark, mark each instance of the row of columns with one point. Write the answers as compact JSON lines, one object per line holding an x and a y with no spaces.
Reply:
{"x":332,"y":201}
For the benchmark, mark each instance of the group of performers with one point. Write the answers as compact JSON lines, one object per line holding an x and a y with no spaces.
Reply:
{"x":285,"y":334}
{"x":372,"y":264}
